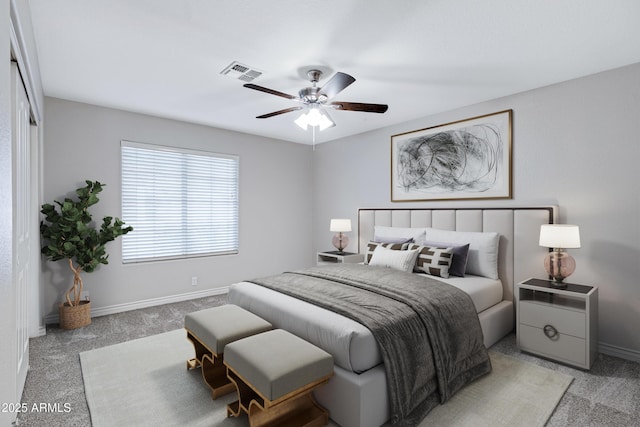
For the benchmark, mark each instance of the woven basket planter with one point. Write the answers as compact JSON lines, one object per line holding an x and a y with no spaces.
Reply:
{"x":77,"y":316}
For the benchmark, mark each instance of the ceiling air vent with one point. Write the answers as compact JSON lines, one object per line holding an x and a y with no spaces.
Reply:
{"x":241,"y":72}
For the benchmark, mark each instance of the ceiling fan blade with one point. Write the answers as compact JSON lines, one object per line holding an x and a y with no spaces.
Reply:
{"x":276,"y":113}
{"x":271,"y":91}
{"x":336,"y":84}
{"x":358,"y":106}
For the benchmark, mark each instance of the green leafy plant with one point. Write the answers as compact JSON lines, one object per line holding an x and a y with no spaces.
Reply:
{"x":69,"y":233}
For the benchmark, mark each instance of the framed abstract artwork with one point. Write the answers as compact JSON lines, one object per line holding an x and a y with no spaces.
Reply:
{"x":466,"y":159}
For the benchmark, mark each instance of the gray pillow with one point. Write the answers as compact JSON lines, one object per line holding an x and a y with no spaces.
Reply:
{"x":393,"y":239}
{"x":460,"y":254}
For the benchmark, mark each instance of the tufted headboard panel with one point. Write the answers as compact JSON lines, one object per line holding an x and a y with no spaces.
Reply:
{"x":519,"y":257}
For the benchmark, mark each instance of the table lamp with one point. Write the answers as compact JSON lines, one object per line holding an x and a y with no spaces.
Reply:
{"x":340,"y":226}
{"x":558,"y":263}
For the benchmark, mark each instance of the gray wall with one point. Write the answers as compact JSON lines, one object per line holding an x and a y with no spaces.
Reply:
{"x":83,"y":142}
{"x":575,"y":144}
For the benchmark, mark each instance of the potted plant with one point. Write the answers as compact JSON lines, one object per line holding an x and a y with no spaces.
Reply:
{"x":69,"y":233}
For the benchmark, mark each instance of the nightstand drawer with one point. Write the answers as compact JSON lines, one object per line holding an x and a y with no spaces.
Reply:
{"x":566,"y":321}
{"x":565,"y":347}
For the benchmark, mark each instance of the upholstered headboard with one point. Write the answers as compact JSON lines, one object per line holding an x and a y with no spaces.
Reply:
{"x":519,"y":256}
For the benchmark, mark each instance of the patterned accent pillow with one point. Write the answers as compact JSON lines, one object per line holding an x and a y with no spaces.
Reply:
{"x":460,"y":254}
{"x":399,"y":260}
{"x":371,"y":246}
{"x":433,"y":260}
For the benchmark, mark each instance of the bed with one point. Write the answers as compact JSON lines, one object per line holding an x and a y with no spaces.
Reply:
{"x":358,"y":394}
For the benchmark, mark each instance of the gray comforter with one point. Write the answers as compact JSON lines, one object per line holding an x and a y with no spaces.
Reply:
{"x":428,"y":332}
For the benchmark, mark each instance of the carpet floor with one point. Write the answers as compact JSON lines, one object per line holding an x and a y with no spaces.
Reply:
{"x":145,"y":382}
{"x":607,"y":395}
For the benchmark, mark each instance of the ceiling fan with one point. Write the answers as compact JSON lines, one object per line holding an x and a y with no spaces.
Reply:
{"x":315,"y":99}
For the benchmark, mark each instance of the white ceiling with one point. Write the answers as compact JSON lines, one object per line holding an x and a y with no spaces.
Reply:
{"x":164,"y":57}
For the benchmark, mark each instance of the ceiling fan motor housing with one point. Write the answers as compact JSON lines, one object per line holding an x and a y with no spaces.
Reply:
{"x":310,"y":95}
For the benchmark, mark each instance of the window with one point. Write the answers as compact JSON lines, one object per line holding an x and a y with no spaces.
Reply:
{"x":181,"y":203}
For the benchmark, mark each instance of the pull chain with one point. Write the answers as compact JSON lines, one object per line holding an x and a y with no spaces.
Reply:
{"x":313,"y":129}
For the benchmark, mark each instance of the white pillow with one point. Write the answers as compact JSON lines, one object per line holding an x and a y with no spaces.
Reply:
{"x":387,"y":233}
{"x":371,"y":246}
{"x":400,"y":260}
{"x":483,"y":249}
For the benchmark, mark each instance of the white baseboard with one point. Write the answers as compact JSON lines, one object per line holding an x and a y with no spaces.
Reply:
{"x":621,"y":352}
{"x":119,"y":308}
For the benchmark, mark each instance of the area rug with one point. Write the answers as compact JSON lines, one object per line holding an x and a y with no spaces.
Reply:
{"x":516,"y":393}
{"x":145,"y":382}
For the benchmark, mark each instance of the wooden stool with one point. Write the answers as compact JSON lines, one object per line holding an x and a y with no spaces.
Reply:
{"x":275,"y":373}
{"x":210,"y":331}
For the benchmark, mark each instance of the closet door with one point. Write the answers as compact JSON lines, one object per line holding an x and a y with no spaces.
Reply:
{"x":21,"y":142}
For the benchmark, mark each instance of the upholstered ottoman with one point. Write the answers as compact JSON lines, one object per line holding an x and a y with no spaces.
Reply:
{"x":275,"y":373}
{"x":210,"y":331}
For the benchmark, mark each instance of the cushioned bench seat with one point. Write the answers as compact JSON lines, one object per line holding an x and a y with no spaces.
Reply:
{"x":275,"y":373}
{"x":210,"y":331}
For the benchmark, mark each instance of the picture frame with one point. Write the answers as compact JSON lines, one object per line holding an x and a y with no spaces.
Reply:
{"x":461,"y":160}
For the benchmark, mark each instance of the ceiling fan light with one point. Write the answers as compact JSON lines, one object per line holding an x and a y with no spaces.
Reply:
{"x":325,"y":121}
{"x":314,"y":117}
{"x":302,"y":121}
{"x":320,"y":118}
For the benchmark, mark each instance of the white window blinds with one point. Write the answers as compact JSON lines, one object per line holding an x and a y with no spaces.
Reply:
{"x":180,"y":203}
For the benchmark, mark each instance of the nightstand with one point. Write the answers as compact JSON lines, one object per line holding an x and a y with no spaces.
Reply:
{"x":558,"y":323}
{"x":333,"y":257}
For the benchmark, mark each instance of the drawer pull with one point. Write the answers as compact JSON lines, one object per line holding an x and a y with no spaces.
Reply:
{"x":550,"y":332}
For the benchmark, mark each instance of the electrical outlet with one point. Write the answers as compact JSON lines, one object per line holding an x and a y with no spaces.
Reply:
{"x":84,"y":296}
{"x":194,"y":281}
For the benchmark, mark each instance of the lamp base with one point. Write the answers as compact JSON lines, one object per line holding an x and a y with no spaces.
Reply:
{"x":340,"y":241}
{"x":559,"y":265}
{"x":558,"y":285}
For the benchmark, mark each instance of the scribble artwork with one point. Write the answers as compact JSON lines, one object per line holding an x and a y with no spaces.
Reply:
{"x":450,"y":161}
{"x":466,"y":159}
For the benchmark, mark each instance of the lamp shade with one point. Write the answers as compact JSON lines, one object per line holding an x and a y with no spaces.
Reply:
{"x":340,"y":225}
{"x":560,"y":236}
